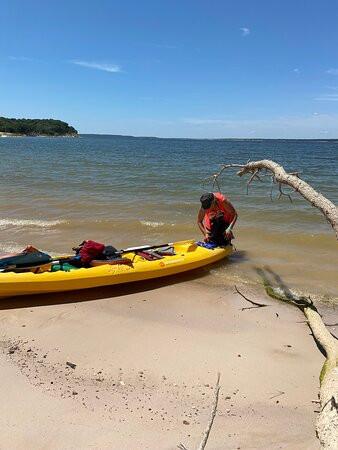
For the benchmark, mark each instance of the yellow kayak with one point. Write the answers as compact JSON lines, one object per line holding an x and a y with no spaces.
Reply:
{"x":188,"y":255}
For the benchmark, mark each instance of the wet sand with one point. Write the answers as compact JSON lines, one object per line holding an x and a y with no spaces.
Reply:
{"x":134,"y":367}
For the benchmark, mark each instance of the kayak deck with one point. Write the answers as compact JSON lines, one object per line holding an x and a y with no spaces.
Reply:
{"x":189,"y":255}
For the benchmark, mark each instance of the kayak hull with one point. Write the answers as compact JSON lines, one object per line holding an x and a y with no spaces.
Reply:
{"x":188,"y":256}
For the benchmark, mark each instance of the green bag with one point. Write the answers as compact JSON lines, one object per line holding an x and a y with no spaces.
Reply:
{"x":66,"y":267}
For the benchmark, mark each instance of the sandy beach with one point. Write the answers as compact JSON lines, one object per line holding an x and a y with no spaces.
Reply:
{"x":154,"y":129}
{"x":134,"y":367}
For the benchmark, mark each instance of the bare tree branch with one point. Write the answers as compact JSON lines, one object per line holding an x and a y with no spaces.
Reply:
{"x":281,"y":192}
{"x":216,"y":182}
{"x":254,"y":175}
{"x":328,"y":209}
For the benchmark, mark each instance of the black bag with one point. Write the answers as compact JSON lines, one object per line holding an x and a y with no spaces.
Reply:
{"x":110,"y":252}
{"x":218,"y":225}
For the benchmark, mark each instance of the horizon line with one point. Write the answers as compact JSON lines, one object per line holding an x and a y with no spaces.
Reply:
{"x":212,"y":139}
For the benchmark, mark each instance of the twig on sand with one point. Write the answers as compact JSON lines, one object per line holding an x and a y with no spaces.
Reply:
{"x":182,"y":446}
{"x":257,"y":305}
{"x":211,"y":420}
{"x":212,"y":417}
{"x":277,"y":395}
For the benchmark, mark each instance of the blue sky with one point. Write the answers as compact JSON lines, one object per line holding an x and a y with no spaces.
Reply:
{"x":173,"y":68}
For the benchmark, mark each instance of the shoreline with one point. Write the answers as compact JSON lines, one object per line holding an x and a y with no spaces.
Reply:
{"x":12,"y":135}
{"x":147,"y":357}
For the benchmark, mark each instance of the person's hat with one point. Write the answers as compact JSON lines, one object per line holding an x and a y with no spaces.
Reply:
{"x":207,"y":199}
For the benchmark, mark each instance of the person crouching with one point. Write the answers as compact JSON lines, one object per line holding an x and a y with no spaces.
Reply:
{"x":216,"y":218}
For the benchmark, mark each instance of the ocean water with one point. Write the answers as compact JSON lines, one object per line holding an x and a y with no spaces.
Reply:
{"x":56,"y":192}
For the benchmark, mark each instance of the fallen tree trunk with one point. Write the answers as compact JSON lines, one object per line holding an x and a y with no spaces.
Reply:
{"x":327,"y":422}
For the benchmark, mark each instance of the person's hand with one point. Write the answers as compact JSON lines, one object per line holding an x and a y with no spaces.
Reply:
{"x":206,"y":237}
{"x":228,"y":234}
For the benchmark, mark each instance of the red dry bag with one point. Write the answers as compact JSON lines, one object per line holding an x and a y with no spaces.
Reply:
{"x":90,"y":251}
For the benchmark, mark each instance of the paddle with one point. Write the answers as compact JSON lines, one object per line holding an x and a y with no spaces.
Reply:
{"x":144,"y":247}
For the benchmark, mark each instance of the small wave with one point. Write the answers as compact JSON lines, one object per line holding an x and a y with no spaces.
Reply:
{"x":10,"y":247}
{"x":30,"y":223}
{"x":152,"y":224}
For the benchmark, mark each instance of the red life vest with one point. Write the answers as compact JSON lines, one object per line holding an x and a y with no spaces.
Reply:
{"x":210,"y":213}
{"x":90,"y":251}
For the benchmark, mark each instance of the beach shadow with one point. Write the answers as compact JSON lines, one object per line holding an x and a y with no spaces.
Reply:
{"x":238,"y":256}
{"x":103,"y":292}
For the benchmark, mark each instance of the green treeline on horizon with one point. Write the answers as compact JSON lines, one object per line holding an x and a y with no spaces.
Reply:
{"x":36,"y":127}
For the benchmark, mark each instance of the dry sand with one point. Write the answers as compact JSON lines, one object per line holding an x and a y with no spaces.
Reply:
{"x":147,"y":357}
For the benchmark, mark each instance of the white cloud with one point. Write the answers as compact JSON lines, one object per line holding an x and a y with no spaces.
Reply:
{"x":332,"y":71}
{"x":305,"y":126}
{"x":327,"y":98}
{"x":245,"y":31}
{"x":301,"y":126}
{"x":296,"y":70}
{"x":113,"y":68}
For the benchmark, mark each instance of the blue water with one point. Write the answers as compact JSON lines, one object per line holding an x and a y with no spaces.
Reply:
{"x":57,"y":191}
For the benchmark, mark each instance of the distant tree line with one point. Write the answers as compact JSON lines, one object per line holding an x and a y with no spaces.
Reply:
{"x":36,"y":127}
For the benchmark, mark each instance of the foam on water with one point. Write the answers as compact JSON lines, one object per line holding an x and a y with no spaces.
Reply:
{"x":10,"y":247}
{"x":150,"y":224}
{"x":4,"y":223}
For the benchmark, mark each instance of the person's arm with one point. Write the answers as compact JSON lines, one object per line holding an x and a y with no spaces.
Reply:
{"x":233,"y":214}
{"x":200,"y":224}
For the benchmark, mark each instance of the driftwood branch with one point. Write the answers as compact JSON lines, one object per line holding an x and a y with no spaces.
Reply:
{"x":327,"y":422}
{"x":211,"y":420}
{"x":281,"y":177}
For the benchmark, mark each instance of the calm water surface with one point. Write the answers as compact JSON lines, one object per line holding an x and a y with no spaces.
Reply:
{"x":55,"y":192}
